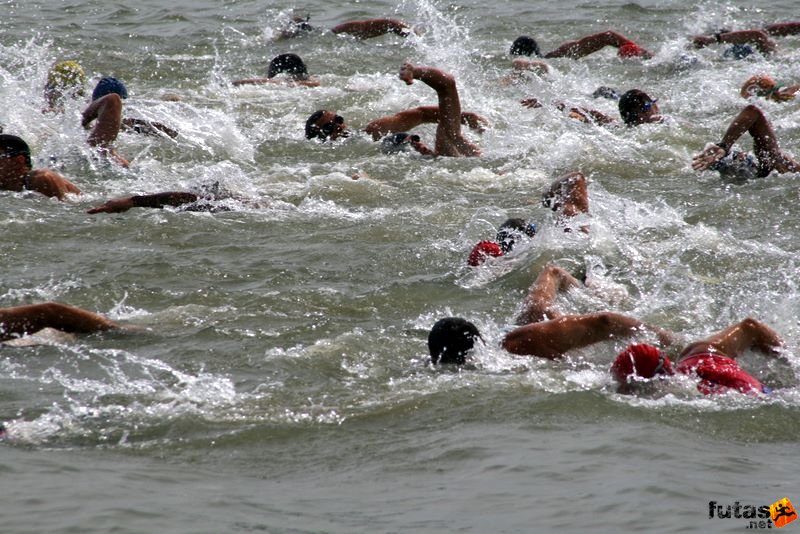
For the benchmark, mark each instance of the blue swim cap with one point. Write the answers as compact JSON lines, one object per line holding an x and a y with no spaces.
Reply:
{"x":107,"y":86}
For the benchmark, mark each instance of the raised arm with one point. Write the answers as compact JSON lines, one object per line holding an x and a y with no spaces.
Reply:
{"x":154,"y":200}
{"x":449,"y":140}
{"x":22,"y":320}
{"x":538,"y":304}
{"x":107,"y":111}
{"x":367,"y":29}
{"x":748,"y":334}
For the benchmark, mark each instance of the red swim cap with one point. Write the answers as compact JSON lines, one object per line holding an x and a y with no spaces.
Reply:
{"x":483,"y":250}
{"x":720,"y":374}
{"x":631,"y":49}
{"x":641,"y":360}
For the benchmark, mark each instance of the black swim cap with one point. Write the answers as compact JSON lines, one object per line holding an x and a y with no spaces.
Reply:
{"x":399,"y":142}
{"x":450,"y":339}
{"x":632,"y":103}
{"x":289,"y":63}
{"x":11,"y":145}
{"x":525,"y":46}
{"x":606,"y":92}
{"x":511,"y":230}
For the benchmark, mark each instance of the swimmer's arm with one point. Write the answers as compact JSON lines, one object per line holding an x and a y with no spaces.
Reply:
{"x":590,"y":44}
{"x":783,"y":28}
{"x":759,"y":38}
{"x":411,"y":118}
{"x":21,"y":320}
{"x":51,"y":184}
{"x":155,"y":200}
{"x":253,"y":81}
{"x":537,"y":67}
{"x":146,"y":127}
{"x":367,"y":29}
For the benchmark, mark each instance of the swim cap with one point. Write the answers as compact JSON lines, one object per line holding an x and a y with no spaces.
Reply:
{"x":450,"y":339}
{"x":631,"y":49}
{"x":758,"y":85}
{"x":109,"y":85}
{"x":66,"y":74}
{"x":481,"y":252}
{"x":525,"y":46}
{"x":720,"y":373}
{"x":606,"y":92}
{"x":11,"y":145}
{"x":642,"y":360}
{"x":632,"y":104}
{"x":738,"y":51}
{"x":511,"y":230}
{"x":289,"y":63}
{"x":399,"y":142}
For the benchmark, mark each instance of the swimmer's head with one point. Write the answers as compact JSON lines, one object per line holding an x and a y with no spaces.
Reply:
{"x":606,"y":92}
{"x":399,"y":142}
{"x":525,"y":46}
{"x":66,"y":75}
{"x":12,"y":146}
{"x":511,"y":231}
{"x":107,"y":86}
{"x":758,"y":85}
{"x":290,"y":64}
{"x":636,"y":107}
{"x":324,"y":125}
{"x":451,"y":339}
{"x":641,"y":361}
{"x":296,"y":27}
{"x":482,"y":251}
{"x":738,"y":51}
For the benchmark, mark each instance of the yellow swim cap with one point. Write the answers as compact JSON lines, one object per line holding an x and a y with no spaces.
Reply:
{"x":66,"y":74}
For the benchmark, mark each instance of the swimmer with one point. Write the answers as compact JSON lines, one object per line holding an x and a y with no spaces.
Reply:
{"x":592,"y":43}
{"x":510,"y":232}
{"x":735,"y":164}
{"x":542,"y":330}
{"x":328,"y":125}
{"x":635,"y":107}
{"x":17,"y":173}
{"x":290,"y":64}
{"x":766,"y":87}
{"x":25,"y":320}
{"x":758,"y":37}
{"x":449,"y":140}
{"x":712,"y":360}
{"x":358,"y":29}
{"x":525,"y":46}
{"x":110,"y":85}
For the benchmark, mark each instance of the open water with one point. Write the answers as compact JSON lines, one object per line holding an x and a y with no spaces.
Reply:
{"x":280,"y":383}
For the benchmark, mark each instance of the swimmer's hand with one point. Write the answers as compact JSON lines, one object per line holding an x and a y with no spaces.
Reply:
{"x":711,"y":154}
{"x":117,"y":205}
{"x":474,"y":121}
{"x":407,"y":73}
{"x":531,"y":103}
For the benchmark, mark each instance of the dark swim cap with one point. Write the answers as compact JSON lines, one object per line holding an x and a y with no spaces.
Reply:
{"x":11,"y":145}
{"x":511,"y":230}
{"x":399,"y":142}
{"x":525,"y":46}
{"x":290,"y":64}
{"x":107,"y":86}
{"x":632,"y":103}
{"x":450,"y":339}
{"x":738,"y":51}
